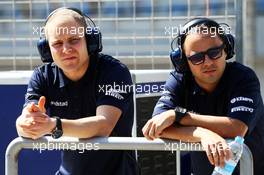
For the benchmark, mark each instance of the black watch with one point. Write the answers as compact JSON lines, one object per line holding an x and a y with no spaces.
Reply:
{"x":57,"y":131}
{"x":179,"y":114}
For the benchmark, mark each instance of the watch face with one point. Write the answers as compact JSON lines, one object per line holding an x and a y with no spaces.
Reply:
{"x":57,"y":134}
{"x":180,"y":109}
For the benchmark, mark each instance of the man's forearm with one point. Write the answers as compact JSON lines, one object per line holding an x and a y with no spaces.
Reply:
{"x":184,"y":133}
{"x":224,"y":126}
{"x":86,"y":127}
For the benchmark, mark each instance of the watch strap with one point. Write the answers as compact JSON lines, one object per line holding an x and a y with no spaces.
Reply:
{"x":58,"y":123}
{"x":57,"y":131}
{"x":179,"y":114}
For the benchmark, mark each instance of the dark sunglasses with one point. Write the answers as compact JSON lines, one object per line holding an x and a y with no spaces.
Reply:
{"x":213,"y":53}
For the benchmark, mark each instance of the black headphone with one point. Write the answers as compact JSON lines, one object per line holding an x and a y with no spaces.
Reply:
{"x":93,"y":38}
{"x":177,"y":55}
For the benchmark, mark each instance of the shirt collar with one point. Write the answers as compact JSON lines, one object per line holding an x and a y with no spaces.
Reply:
{"x":63,"y":80}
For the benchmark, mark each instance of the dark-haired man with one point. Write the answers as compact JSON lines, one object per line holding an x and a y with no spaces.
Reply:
{"x":210,"y":100}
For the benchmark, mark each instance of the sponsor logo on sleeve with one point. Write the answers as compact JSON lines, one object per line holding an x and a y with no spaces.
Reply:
{"x":242,"y":109}
{"x":115,"y":93}
{"x":240,"y":99}
{"x":165,"y":97}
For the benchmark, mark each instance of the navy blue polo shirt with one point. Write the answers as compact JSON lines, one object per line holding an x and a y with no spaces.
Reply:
{"x":106,"y":82}
{"x":236,"y":96}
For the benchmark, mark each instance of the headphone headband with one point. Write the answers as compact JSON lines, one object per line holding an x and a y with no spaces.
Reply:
{"x":93,"y":39}
{"x":188,"y":26}
{"x":177,"y":55}
{"x":198,"y":21}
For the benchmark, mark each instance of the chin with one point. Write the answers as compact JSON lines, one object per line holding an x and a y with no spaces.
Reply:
{"x":212,"y":80}
{"x":69,"y":67}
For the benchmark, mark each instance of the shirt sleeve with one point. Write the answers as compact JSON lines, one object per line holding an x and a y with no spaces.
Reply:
{"x":171,"y":96}
{"x":246,"y":101}
{"x":115,"y":88}
{"x":35,"y":88}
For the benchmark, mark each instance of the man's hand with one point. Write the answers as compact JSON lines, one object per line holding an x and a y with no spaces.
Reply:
{"x":216,"y":148}
{"x":154,"y":127}
{"x":33,"y":122}
{"x":40,"y":107}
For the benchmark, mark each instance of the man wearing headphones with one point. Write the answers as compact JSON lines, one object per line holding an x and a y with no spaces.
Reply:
{"x":81,"y":94}
{"x":208,"y":100}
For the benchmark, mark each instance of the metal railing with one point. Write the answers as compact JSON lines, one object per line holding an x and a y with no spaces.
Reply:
{"x":111,"y":143}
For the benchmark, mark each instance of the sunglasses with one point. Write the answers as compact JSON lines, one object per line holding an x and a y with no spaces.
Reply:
{"x":213,"y":53}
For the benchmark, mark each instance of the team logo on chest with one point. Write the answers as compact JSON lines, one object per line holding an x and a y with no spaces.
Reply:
{"x":59,"y":103}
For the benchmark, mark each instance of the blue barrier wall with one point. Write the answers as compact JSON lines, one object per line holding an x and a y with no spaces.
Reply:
{"x":30,"y":162}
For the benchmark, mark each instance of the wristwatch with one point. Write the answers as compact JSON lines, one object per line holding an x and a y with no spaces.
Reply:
{"x":57,"y":131}
{"x":179,"y":114}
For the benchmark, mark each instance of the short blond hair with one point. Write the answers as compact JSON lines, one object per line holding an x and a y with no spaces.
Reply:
{"x":80,"y":19}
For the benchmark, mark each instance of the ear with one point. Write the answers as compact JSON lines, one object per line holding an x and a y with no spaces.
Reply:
{"x":230,"y":46}
{"x":178,"y":60}
{"x":44,"y":50}
{"x":94,"y":41}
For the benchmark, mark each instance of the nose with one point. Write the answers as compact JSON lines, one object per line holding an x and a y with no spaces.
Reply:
{"x":67,"y":48}
{"x":207,"y":60}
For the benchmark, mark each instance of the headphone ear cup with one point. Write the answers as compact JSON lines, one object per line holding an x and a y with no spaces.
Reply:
{"x":178,"y":61}
{"x":230,"y":45}
{"x":94,"y":41}
{"x":44,"y":50}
